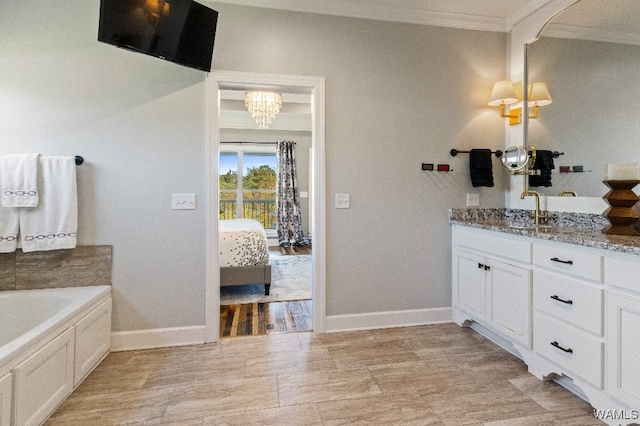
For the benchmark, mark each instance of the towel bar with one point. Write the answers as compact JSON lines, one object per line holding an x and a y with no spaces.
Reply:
{"x":79,"y":160}
{"x":455,"y":152}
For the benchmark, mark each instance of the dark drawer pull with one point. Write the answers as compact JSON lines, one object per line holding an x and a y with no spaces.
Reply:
{"x":555,"y":344}
{"x":566,"y":262}
{"x":568,"y":302}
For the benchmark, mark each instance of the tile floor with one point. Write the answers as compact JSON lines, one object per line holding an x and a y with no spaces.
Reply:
{"x":427,"y":375}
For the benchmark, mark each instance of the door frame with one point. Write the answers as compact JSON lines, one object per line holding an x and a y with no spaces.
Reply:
{"x":216,"y":81}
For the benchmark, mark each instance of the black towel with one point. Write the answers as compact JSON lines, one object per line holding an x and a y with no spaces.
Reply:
{"x":480,"y":167}
{"x":544,"y":163}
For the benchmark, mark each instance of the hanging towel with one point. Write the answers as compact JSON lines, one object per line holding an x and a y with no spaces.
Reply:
{"x":53,"y":224}
{"x":19,"y":180}
{"x":544,"y":163}
{"x":9,"y":225}
{"x":480,"y":167}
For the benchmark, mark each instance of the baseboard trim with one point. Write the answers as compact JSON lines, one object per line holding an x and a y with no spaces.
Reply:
{"x":157,"y":338}
{"x":390,"y":319}
{"x":182,"y":336}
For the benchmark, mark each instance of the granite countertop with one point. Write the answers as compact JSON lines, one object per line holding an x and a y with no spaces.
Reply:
{"x":579,"y":229}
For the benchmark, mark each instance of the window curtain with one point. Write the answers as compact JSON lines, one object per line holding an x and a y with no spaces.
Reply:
{"x":287,"y":197}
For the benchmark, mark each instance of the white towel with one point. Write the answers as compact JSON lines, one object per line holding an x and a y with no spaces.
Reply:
{"x":9,"y":224}
{"x":54,"y":223}
{"x":19,"y":180}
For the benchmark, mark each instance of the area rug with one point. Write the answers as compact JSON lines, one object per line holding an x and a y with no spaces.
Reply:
{"x":290,"y":280}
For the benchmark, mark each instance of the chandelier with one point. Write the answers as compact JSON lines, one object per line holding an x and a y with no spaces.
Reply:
{"x":263,"y":106}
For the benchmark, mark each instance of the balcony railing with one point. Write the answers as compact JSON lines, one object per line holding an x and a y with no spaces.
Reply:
{"x":264,"y":211}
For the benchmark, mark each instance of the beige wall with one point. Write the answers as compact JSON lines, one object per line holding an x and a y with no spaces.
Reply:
{"x":397,"y":95}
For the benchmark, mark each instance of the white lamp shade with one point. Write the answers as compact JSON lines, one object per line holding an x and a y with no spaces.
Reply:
{"x":503,"y":93}
{"x":539,"y":95}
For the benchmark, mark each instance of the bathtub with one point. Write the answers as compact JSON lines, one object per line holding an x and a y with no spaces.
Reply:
{"x":40,"y":327}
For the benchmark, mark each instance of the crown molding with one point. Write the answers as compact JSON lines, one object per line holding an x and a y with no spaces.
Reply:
{"x":384,"y":11}
{"x":591,"y":34}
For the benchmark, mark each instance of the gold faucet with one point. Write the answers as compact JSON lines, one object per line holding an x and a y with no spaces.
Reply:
{"x":538,"y":216}
{"x":568,"y":192}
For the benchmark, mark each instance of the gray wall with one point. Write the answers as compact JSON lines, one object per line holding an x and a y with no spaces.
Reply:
{"x":397,"y":95}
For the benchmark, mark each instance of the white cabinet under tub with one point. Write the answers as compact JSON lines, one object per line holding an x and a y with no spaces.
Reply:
{"x":40,"y":382}
{"x":572,"y":311}
{"x":43,"y":381}
{"x":5,"y":399}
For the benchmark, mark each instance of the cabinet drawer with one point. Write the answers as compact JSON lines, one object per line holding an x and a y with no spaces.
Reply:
{"x":622,"y":273}
{"x":569,"y":347}
{"x":580,"y":264}
{"x":498,"y":246}
{"x":570,"y":300}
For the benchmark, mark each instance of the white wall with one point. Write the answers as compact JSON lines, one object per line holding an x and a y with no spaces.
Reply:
{"x":397,"y":95}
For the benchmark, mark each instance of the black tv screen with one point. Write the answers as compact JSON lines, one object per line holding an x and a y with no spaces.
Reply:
{"x":180,"y":31}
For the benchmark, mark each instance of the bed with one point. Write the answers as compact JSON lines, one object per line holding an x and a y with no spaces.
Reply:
{"x":244,"y":253}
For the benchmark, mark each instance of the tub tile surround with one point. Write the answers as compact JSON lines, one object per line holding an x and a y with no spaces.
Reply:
{"x":573,"y":228}
{"x":78,"y":267}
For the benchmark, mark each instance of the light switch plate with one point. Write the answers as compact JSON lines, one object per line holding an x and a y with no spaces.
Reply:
{"x":342,"y":201}
{"x":473,"y":200}
{"x":183,"y":202}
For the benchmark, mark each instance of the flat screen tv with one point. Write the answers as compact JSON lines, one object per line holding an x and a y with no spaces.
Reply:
{"x":180,"y":31}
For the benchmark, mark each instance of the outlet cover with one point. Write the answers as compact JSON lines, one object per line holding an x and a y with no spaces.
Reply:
{"x":473,"y":200}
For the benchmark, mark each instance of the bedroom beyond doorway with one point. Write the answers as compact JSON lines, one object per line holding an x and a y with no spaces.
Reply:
{"x":246,"y":310}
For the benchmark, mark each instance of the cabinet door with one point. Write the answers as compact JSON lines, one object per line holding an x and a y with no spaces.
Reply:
{"x":471,"y":284}
{"x":93,"y":340}
{"x":623,"y":347}
{"x":509,"y":301}
{"x":5,"y":400}
{"x":43,"y":381}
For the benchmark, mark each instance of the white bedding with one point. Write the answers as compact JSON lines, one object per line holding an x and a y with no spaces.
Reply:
{"x":243,"y":242}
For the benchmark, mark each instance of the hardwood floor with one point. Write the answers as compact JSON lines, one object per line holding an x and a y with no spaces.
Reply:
{"x":256,"y":319}
{"x":427,"y":375}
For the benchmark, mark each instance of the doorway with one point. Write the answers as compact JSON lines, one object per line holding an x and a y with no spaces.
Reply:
{"x":313,"y":87}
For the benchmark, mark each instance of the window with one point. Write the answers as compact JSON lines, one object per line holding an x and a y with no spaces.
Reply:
{"x":250,"y":194}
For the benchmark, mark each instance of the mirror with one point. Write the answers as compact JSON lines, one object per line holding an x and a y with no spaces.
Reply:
{"x":589,"y":57}
{"x":515,"y":158}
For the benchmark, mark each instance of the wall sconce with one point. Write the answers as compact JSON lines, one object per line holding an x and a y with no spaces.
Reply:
{"x":538,"y":96}
{"x":504,"y":94}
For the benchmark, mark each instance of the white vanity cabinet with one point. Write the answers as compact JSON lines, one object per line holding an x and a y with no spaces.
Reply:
{"x":569,"y":309}
{"x":571,"y":312}
{"x":623,"y":329}
{"x":5,"y":400}
{"x":492,"y":283}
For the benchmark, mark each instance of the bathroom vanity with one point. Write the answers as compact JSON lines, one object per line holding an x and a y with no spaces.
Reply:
{"x":564,"y":299}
